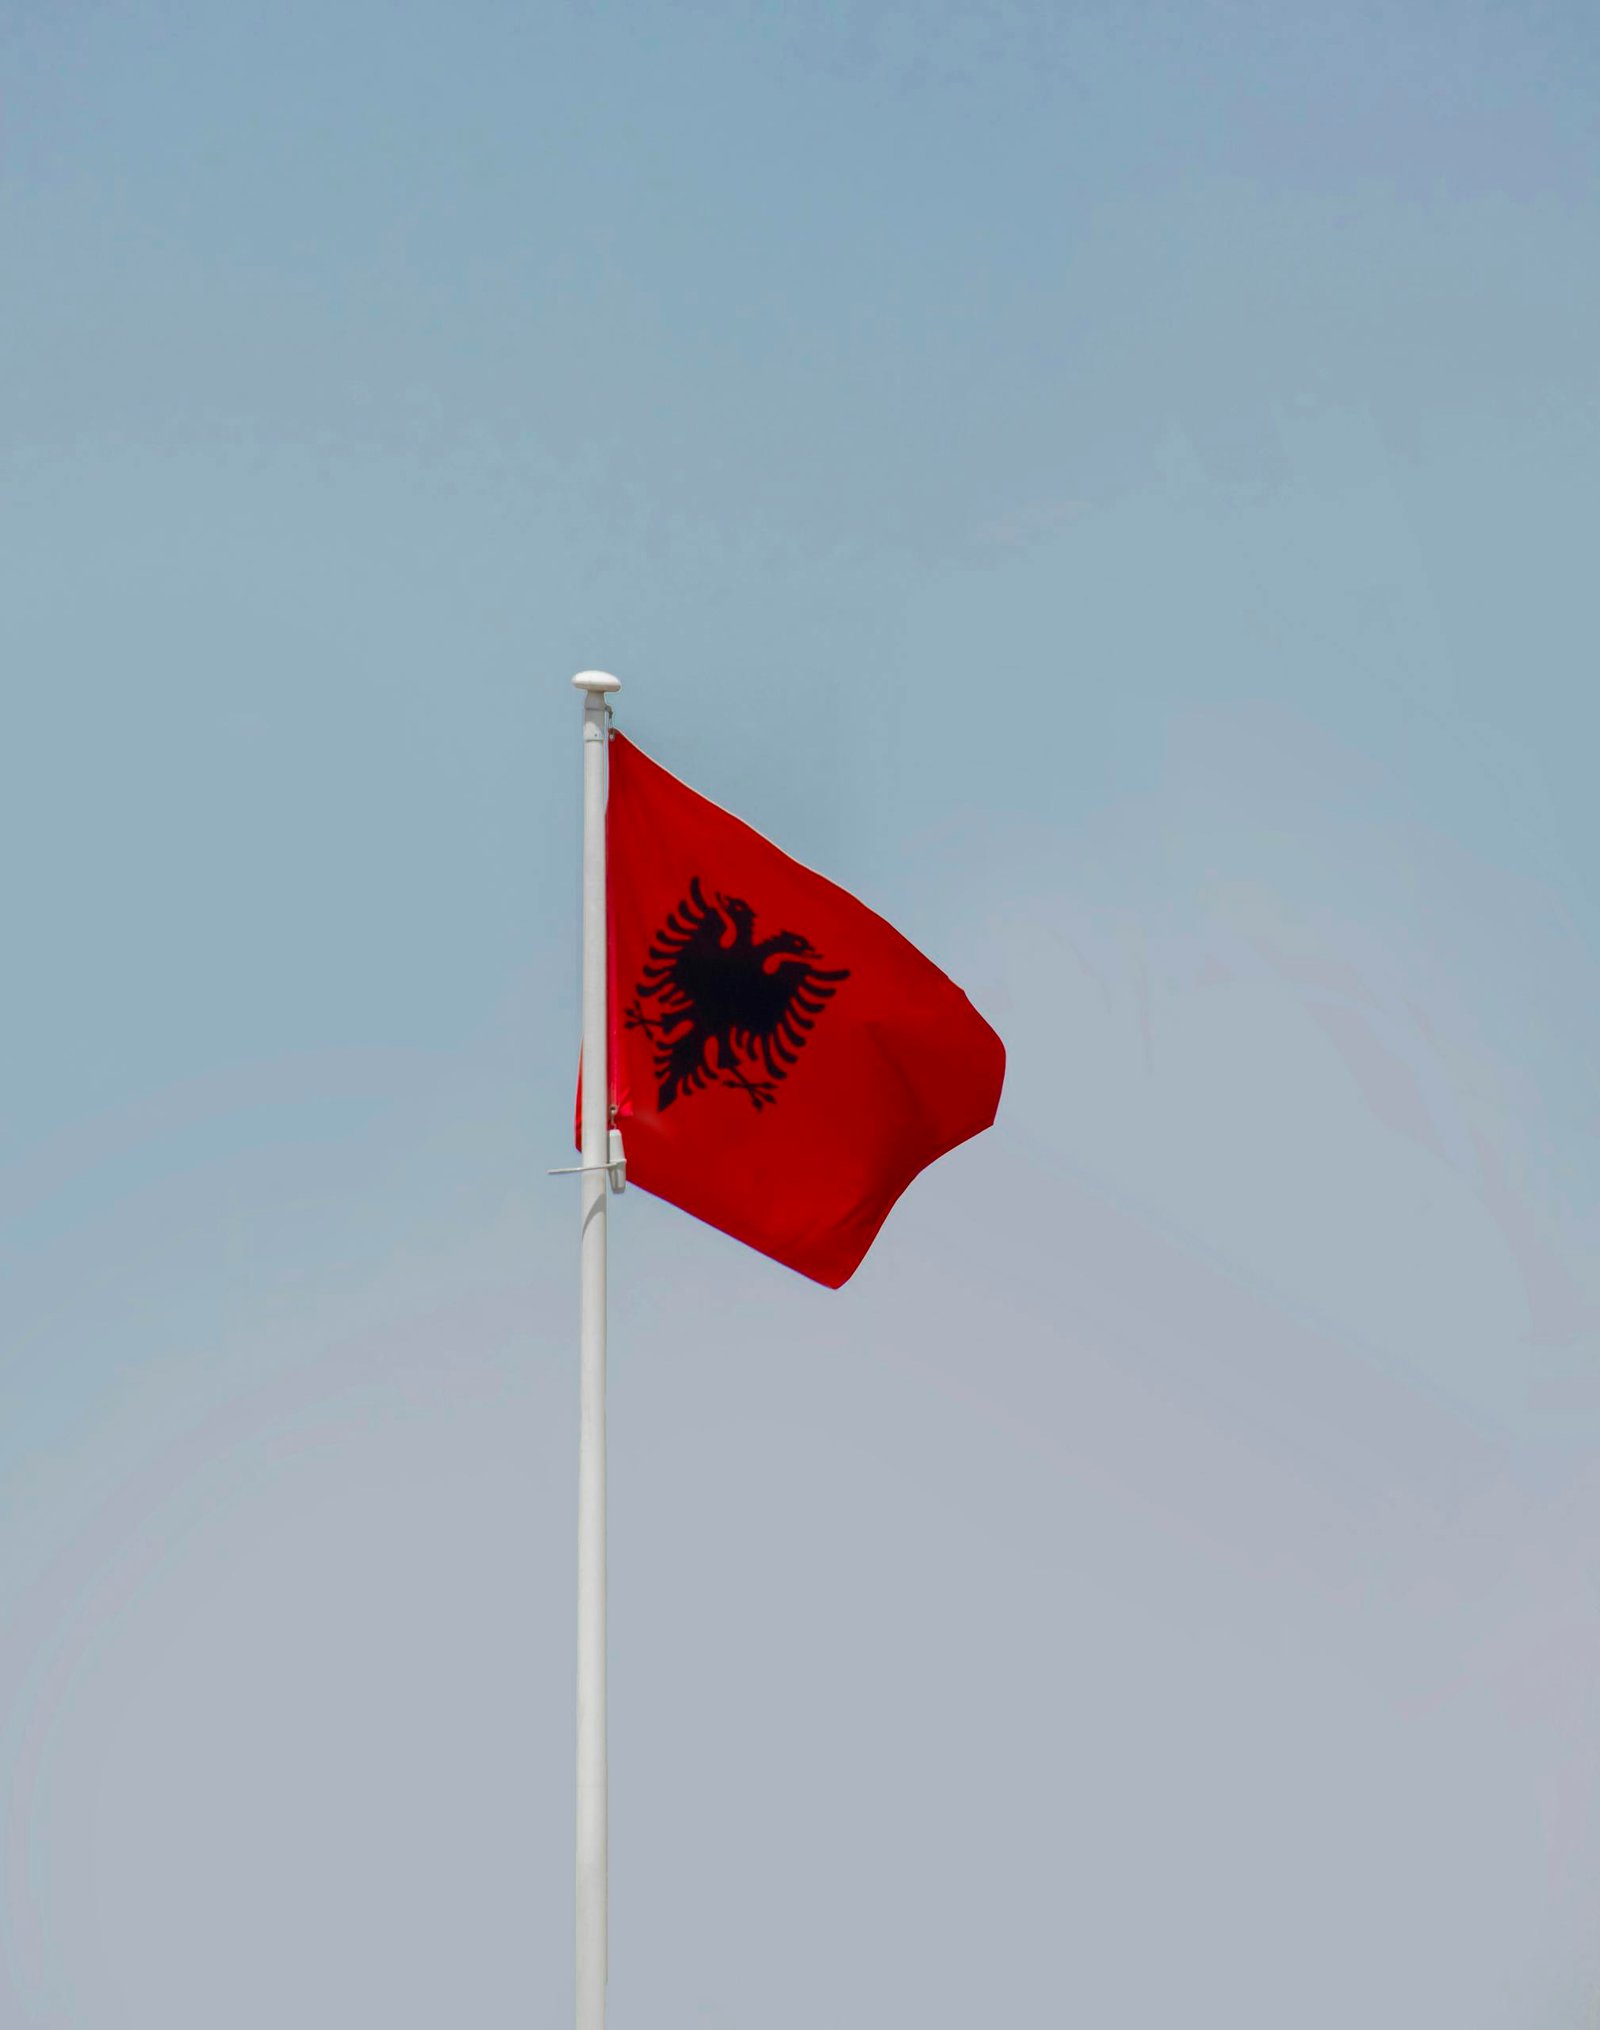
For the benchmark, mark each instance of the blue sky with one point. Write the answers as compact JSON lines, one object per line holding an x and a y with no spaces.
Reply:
{"x":1114,"y":487}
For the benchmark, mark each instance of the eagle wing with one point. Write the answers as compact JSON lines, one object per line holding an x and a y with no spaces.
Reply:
{"x":781,"y":1009}
{"x":680,"y":976}
{"x":680,"y":971}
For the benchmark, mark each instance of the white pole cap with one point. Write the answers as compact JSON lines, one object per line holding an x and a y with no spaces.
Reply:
{"x":595,"y":680}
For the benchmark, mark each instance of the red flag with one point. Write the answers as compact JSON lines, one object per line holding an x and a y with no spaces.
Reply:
{"x":783,"y":1062}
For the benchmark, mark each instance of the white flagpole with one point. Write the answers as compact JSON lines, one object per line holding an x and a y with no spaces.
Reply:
{"x":592,"y":1182}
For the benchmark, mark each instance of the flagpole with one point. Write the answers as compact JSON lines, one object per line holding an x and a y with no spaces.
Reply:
{"x":592,"y":1183}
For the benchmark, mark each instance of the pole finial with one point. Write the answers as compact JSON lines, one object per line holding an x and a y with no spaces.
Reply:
{"x":596,"y":680}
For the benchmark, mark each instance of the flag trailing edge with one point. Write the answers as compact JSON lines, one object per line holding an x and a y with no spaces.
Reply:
{"x":784,"y":1062}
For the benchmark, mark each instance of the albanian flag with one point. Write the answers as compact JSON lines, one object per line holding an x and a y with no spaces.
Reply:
{"x":783,"y":1062}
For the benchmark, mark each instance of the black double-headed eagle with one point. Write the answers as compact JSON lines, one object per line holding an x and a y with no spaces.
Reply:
{"x":710,"y":982}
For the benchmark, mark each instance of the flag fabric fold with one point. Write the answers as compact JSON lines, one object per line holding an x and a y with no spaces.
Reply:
{"x":783,"y":1061}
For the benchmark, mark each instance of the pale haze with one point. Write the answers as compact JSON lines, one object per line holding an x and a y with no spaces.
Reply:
{"x":1116,"y":487}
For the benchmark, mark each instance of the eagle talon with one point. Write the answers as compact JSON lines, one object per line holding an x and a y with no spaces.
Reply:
{"x":762,"y":1091}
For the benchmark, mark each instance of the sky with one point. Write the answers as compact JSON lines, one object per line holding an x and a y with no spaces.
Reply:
{"x":1114,"y":486}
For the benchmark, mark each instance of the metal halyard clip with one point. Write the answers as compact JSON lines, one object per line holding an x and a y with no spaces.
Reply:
{"x":616,"y":1168}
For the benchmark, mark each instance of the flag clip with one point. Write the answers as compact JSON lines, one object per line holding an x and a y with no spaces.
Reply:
{"x":616,"y":1169}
